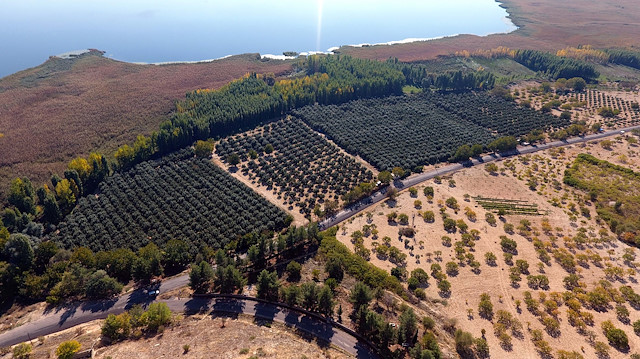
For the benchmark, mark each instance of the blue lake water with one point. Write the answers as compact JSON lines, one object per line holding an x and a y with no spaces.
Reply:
{"x":191,"y":30}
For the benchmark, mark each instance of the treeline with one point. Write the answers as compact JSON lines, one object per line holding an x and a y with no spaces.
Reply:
{"x":34,"y":211}
{"x":253,"y":99}
{"x":32,"y":270}
{"x":624,"y":57}
{"x":338,"y":261}
{"x":555,"y":66}
{"x":419,"y":76}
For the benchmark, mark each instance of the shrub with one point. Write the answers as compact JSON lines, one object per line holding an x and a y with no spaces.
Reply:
{"x":406,"y":232}
{"x":617,"y":337}
{"x":452,"y":203}
{"x":508,"y":245}
{"x":22,"y":351}
{"x":428,"y":323}
{"x":449,"y":225}
{"x":157,"y":315}
{"x":636,"y":327}
{"x":508,"y":228}
{"x":117,"y":327}
{"x":490,"y":218}
{"x":67,"y":349}
{"x":451,"y":268}
{"x":481,"y":348}
{"x":444,"y":286}
{"x":464,"y":341}
{"x":485,"y":307}
{"x":293,"y":269}
{"x":490,"y":258}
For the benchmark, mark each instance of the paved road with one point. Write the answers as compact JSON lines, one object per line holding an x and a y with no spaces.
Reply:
{"x":72,"y":315}
{"x":421,"y":177}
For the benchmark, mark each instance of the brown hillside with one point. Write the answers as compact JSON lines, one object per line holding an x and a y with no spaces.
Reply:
{"x":65,"y":108}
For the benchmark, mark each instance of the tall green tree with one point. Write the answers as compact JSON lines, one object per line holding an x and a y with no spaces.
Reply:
{"x":267,"y":285}
{"x":201,"y":277}
{"x":325,"y":301}
{"x":360,"y":296}
{"x":18,"y":251}
{"x":22,"y":195}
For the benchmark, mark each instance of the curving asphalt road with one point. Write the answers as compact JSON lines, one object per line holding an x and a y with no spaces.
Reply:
{"x":421,"y":177}
{"x":79,"y":313}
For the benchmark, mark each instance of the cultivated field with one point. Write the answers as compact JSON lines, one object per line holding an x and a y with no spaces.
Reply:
{"x":577,"y":272}
{"x":421,"y":129}
{"x":300,"y":170}
{"x":177,"y":197}
{"x":586,"y":105}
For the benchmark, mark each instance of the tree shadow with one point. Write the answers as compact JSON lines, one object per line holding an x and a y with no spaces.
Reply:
{"x":100,"y":306}
{"x":138,"y":296}
{"x":198,"y":305}
{"x":316,"y":327}
{"x":266,"y":311}
{"x":232,"y":307}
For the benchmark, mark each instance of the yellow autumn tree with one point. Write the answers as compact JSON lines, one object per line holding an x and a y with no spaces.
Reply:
{"x":65,"y":194}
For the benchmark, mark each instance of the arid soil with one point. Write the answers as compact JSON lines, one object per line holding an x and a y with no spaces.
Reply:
{"x":494,"y":280}
{"x":206,"y":336}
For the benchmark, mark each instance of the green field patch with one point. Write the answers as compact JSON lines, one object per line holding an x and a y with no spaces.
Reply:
{"x":615,"y":191}
{"x":508,"y":206}
{"x":177,"y":197}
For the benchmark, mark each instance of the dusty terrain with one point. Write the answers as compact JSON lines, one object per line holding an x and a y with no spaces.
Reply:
{"x":494,"y":279}
{"x":206,"y":336}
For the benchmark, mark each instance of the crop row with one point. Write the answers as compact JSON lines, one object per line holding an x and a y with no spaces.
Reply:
{"x":426,"y":129}
{"x":304,"y":169}
{"x":189,"y":199}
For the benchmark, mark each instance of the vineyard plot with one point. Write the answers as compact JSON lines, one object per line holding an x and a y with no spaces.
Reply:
{"x":508,"y":206}
{"x":425,"y":129}
{"x":177,"y":197}
{"x":297,"y":164}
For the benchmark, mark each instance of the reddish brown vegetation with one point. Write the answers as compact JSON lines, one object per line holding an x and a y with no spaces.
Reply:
{"x":544,"y":25}
{"x":66,"y":108}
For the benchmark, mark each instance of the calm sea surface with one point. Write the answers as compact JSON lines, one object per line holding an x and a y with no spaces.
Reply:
{"x":191,"y":30}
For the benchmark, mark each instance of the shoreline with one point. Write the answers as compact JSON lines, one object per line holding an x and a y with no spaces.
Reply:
{"x":507,"y":19}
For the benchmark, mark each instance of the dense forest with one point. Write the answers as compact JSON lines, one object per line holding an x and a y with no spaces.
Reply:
{"x":256,"y":98}
{"x":556,"y":66}
{"x":179,"y":196}
{"x":624,"y":57}
{"x":412,"y":131}
{"x":418,"y":75}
